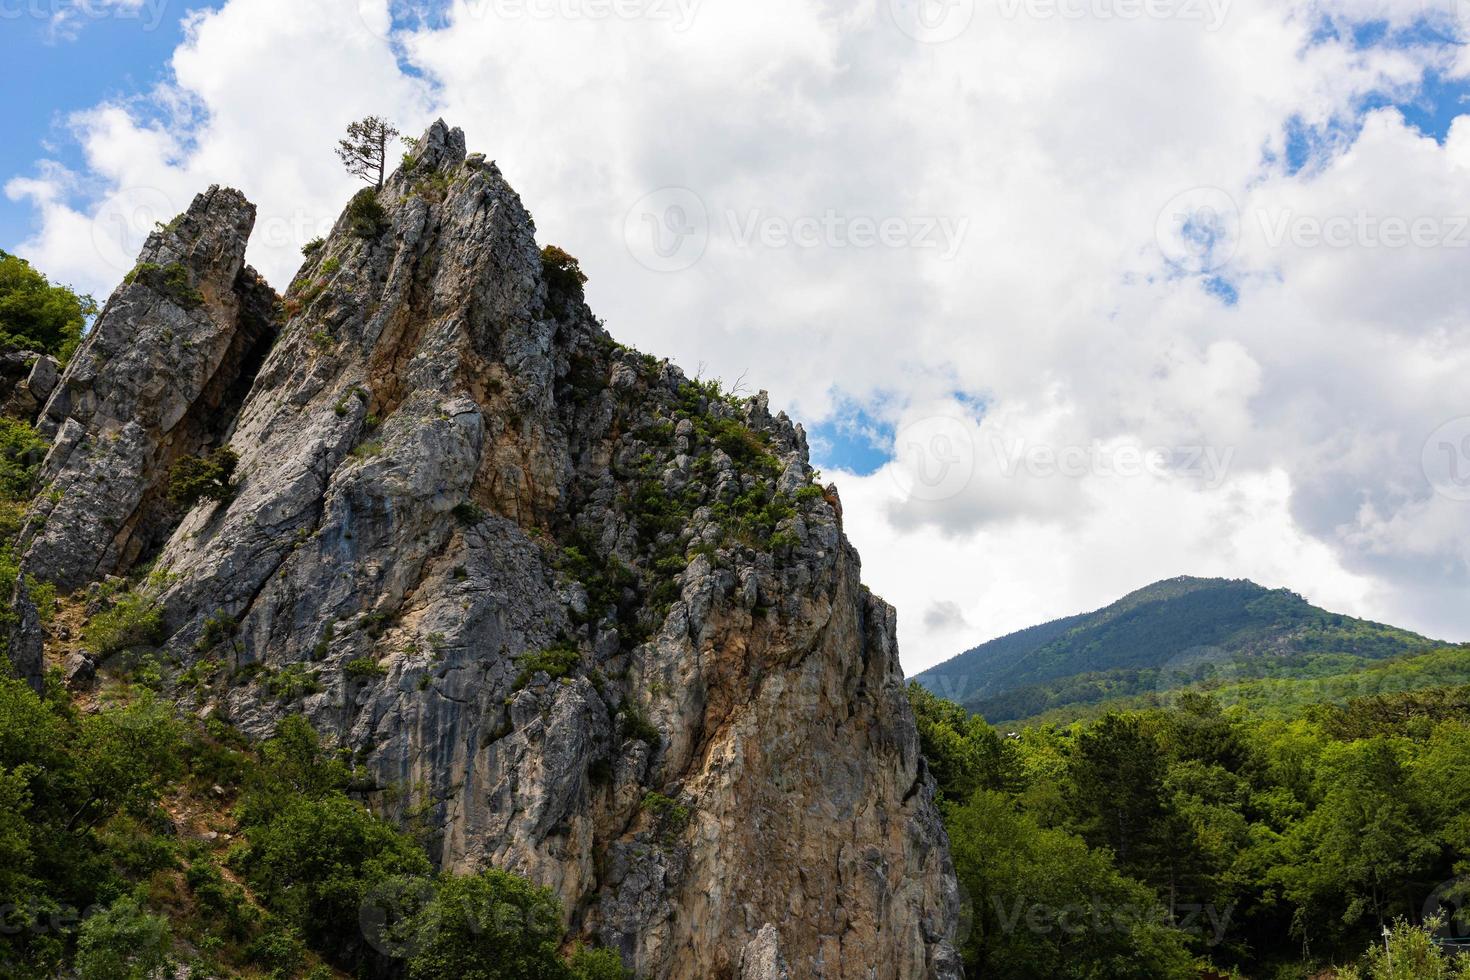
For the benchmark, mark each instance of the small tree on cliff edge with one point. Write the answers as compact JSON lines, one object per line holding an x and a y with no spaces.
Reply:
{"x":365,"y":150}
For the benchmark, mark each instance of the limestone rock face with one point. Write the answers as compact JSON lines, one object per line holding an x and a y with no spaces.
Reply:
{"x":159,"y":376}
{"x":592,"y":617}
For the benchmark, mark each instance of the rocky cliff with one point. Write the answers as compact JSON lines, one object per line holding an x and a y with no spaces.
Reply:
{"x":589,"y":617}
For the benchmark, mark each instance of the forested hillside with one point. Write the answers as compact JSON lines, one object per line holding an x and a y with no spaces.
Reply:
{"x":1195,"y":841}
{"x":1164,"y":637}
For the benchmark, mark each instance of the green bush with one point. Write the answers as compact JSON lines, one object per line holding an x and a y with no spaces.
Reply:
{"x":635,"y":725}
{"x":123,"y":943}
{"x":21,"y":452}
{"x":365,"y":216}
{"x":291,"y":682}
{"x":562,"y":272}
{"x":1409,"y":953}
{"x":671,"y":815}
{"x":37,"y":315}
{"x":468,"y":514}
{"x":364,"y":668}
{"x":558,"y":662}
{"x":195,"y":478}
{"x":490,"y":926}
{"x":597,"y":964}
{"x":314,"y":862}
{"x":134,"y":620}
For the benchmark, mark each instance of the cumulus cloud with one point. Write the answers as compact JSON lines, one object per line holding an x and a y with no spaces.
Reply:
{"x":990,"y":234}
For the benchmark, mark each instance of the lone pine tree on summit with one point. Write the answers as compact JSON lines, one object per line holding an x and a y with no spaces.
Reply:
{"x":365,"y":150}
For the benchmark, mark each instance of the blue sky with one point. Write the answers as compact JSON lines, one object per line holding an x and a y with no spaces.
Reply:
{"x":105,"y":59}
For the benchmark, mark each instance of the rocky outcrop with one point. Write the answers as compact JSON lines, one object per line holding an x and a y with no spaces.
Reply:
{"x":26,"y":381}
{"x":159,"y":376}
{"x":590,"y":616}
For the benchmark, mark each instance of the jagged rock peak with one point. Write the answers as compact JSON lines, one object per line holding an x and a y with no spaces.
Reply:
{"x":592,"y":619}
{"x":159,"y":376}
{"x":440,"y":148}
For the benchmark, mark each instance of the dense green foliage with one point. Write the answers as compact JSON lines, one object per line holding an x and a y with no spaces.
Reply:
{"x":1137,"y":843}
{"x":562,"y":272}
{"x":1173,"y":634}
{"x":365,"y":216}
{"x":195,"y":478}
{"x":100,"y":871}
{"x":38,"y":315}
{"x":21,"y":451}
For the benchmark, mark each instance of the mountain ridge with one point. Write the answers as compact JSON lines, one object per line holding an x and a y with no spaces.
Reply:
{"x":1164,"y":635}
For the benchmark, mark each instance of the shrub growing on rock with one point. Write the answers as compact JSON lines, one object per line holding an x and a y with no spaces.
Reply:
{"x":196,"y":478}
{"x":133,"y":621}
{"x":365,"y":215}
{"x":557,"y":662}
{"x":172,"y":280}
{"x":563,"y":273}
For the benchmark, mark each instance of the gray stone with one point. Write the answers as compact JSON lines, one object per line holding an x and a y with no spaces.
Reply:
{"x":80,"y":670}
{"x":157,"y":378}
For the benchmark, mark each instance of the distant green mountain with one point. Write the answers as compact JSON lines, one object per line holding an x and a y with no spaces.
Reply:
{"x":1217,"y":633}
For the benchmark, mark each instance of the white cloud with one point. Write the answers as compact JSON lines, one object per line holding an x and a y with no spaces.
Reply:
{"x":977,"y":216}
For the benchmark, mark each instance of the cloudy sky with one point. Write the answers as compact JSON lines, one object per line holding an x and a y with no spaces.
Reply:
{"x":1070,"y":295}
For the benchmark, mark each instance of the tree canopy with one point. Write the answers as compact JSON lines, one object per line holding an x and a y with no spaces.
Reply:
{"x":38,"y":315}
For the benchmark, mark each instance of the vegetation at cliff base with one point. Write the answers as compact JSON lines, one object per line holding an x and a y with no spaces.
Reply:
{"x":134,"y":843}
